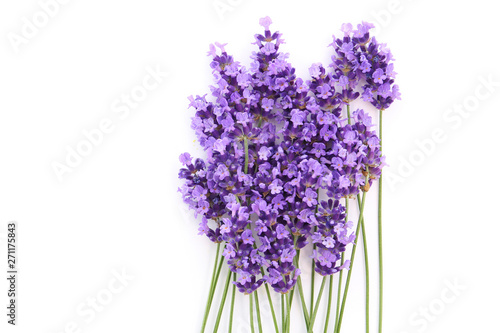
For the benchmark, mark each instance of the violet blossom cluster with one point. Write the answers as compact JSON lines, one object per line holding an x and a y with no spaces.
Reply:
{"x":280,"y":156}
{"x":360,"y":58}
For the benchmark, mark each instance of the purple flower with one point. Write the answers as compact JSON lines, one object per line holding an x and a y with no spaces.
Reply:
{"x":329,"y":242}
{"x":281,"y":232}
{"x":185,"y":159}
{"x":343,"y":80}
{"x":199,"y":193}
{"x":384,"y":90}
{"x":243,"y":277}
{"x":344,"y":181}
{"x":367,"y":95}
{"x":267,"y":104}
{"x":395,"y":92}
{"x":281,"y":84}
{"x":220,"y":146}
{"x":221,"y":46}
{"x":274,"y":276}
{"x":275,"y":186}
{"x":265,"y":22}
{"x":278,"y":202}
{"x":310,"y":197}
{"x":229,"y":251}
{"x":243,"y":118}
{"x":260,"y":227}
{"x":288,"y":255}
{"x":389,"y":70}
{"x":337,"y":163}
{"x":268,"y":49}
{"x":351,"y":160}
{"x":346,"y":47}
{"x":222,"y":172}
{"x":349,"y":137}
{"x":226,"y":227}
{"x":298,"y":117}
{"x":379,"y":76}
{"x":365,"y":66}
{"x":246,"y":237}
{"x":324,"y":91}
{"x":318,"y":149}
{"x":346,"y":28}
{"x":203,"y":229}
{"x":264,"y":153}
{"x":315,"y":70}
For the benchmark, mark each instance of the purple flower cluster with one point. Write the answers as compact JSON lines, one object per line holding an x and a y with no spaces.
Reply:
{"x":359,"y":57}
{"x":280,"y":156}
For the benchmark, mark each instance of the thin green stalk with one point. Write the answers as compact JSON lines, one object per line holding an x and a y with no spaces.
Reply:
{"x":313,"y":265}
{"x":219,"y":268}
{"x":251,"y":313}
{"x":245,"y":142}
{"x":312,"y":285}
{"x":348,"y":114}
{"x":288,"y":310}
{"x":283,"y":326}
{"x":367,"y":273}
{"x":301,"y":292}
{"x":222,"y":302}
{"x":213,"y":283}
{"x":328,"y":309}
{"x":221,"y":261}
{"x":339,"y":291}
{"x":257,"y":308}
{"x":380,"y":257}
{"x":303,"y":301}
{"x":289,"y":306}
{"x":272,"y":307}
{"x":353,"y":254}
{"x":292,"y":292}
{"x":313,"y":317}
{"x":232,"y":306}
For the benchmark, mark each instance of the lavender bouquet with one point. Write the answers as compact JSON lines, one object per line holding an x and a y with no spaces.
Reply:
{"x":284,"y":158}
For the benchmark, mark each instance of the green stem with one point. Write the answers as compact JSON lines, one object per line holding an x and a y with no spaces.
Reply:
{"x":312,"y":285}
{"x":367,"y":272}
{"x":303,"y":301}
{"x":289,"y":306}
{"x":272,"y":307}
{"x":313,"y":265}
{"x":339,"y":291}
{"x":251,"y":313}
{"x":353,"y":254}
{"x":292,"y":292}
{"x":232,"y":306}
{"x":380,"y":259}
{"x":301,"y":292}
{"x":213,"y":283}
{"x":348,"y":114}
{"x":221,"y":262}
{"x":257,"y":308}
{"x":245,"y":142}
{"x":222,"y":302}
{"x":288,"y":310}
{"x":330,"y":294}
{"x":313,"y":317}
{"x":283,"y":326}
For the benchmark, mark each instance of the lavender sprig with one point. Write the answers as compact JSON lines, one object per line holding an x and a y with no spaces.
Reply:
{"x":280,"y":156}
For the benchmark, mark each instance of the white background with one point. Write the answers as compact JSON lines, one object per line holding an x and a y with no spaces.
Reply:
{"x":119,"y":209}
